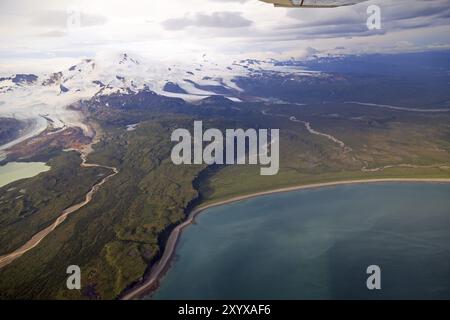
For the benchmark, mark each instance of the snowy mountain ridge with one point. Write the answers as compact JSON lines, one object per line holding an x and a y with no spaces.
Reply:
{"x":37,"y":98}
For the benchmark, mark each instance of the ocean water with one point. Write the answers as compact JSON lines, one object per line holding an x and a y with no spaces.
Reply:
{"x":317,"y":244}
{"x":14,"y":171}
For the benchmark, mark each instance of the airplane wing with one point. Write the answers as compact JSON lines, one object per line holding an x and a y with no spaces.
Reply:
{"x":312,"y":3}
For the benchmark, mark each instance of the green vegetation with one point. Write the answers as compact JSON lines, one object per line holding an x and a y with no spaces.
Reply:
{"x":122,"y":231}
{"x":116,"y":236}
{"x":377,"y":138}
{"x":29,"y":205}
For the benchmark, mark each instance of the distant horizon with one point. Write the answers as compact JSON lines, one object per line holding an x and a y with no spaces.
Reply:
{"x":56,"y":64}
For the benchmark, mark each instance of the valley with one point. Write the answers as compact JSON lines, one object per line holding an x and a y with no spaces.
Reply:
{"x":122,"y":201}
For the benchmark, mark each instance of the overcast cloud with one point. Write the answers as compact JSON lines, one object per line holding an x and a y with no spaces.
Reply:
{"x":66,"y":29}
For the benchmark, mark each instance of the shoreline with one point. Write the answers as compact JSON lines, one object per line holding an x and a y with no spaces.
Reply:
{"x":149,"y":285}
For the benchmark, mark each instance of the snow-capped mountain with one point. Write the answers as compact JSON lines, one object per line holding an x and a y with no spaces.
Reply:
{"x":35,"y":97}
{"x":190,"y":80}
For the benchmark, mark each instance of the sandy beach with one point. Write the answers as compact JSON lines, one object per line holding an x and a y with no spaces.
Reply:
{"x":159,"y":269}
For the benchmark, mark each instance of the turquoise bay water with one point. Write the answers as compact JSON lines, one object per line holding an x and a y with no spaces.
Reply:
{"x":317,"y":244}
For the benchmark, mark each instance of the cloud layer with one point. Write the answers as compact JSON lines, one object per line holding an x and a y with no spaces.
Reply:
{"x":74,"y":28}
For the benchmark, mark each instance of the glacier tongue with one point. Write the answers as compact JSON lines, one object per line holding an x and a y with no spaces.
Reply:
{"x":49,"y":95}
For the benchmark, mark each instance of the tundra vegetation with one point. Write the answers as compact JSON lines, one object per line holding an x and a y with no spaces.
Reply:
{"x":122,"y":232}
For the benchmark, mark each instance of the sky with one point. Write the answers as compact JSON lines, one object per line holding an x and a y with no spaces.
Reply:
{"x":46,"y":33}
